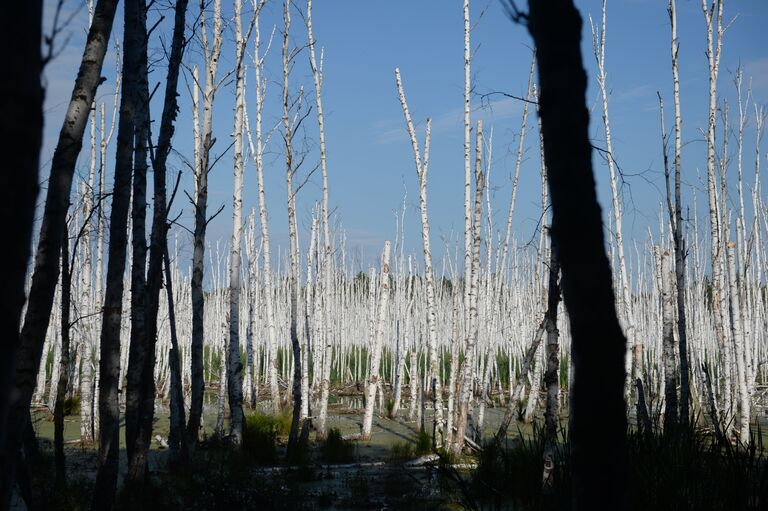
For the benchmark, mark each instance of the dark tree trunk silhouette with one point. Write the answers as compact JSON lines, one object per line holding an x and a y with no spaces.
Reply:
{"x":177,"y":439}
{"x":142,"y":356}
{"x":139,"y":347}
{"x":23,"y":29}
{"x":21,"y":127}
{"x":598,"y":427}
{"x":157,"y":249}
{"x":63,"y":383}
{"x":109,"y":368}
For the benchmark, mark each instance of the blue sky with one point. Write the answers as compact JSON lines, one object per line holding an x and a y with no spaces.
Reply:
{"x":370,"y":161}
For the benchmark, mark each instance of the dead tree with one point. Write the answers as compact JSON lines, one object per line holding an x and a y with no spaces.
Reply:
{"x":109,"y":368}
{"x":598,"y":344}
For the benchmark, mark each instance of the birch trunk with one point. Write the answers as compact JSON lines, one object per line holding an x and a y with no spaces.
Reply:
{"x":668,"y":337}
{"x":713,"y":18}
{"x":327,"y":266}
{"x":634,"y":358}
{"x":258,"y":152}
{"x":291,"y":166}
{"x":467,"y":374}
{"x":234,"y":366}
{"x":467,"y":199}
{"x":415,"y":391}
{"x":306,"y":348}
{"x":203,"y":143}
{"x":680,"y":249}
{"x":738,"y":344}
{"x":421,"y":171}
{"x":378,"y":339}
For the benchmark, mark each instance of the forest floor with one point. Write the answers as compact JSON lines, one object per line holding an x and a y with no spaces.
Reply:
{"x":378,"y":474}
{"x":375,"y":474}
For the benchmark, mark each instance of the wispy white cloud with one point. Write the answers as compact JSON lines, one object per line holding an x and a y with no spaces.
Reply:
{"x":633,"y":93}
{"x":757,"y":71}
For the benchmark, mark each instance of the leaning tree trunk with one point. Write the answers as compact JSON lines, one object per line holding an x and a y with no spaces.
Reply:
{"x":46,"y":269}
{"x":598,"y":344}
{"x":109,"y":369}
{"x":422,"y":167}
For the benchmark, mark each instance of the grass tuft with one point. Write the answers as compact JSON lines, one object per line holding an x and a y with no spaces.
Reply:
{"x":335,"y":449}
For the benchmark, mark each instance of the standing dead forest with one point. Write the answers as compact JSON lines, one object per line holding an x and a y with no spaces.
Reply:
{"x":188,"y":322}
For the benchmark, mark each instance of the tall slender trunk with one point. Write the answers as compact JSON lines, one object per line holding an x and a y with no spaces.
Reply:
{"x":326,"y":264}
{"x":713,"y":18}
{"x":109,"y":369}
{"x":234,"y":366}
{"x":467,"y":194}
{"x":139,"y":347}
{"x":158,"y":244}
{"x":422,"y":167}
{"x":258,"y":151}
{"x":203,"y":144}
{"x":291,"y":167}
{"x":634,"y":355}
{"x":680,"y":250}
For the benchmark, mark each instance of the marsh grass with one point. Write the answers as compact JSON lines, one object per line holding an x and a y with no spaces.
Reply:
{"x":682,"y":469}
{"x":72,"y":405}
{"x":260,"y":434}
{"x":404,"y":451}
{"x":334,"y":449}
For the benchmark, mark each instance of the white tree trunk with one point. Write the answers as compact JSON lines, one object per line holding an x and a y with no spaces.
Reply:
{"x":378,"y":339}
